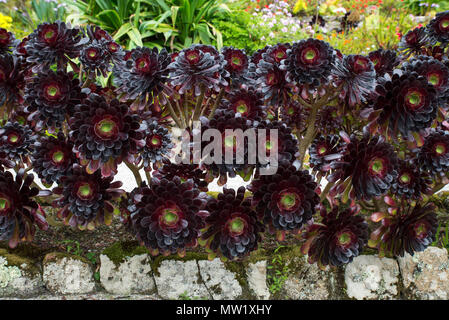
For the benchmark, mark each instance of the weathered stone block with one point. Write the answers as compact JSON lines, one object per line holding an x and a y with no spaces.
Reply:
{"x":134,"y":275}
{"x":19,"y":277}
{"x":175,"y":278}
{"x":257,"y":279}
{"x":370,"y":277}
{"x":222,"y":283}
{"x":67,"y":274}
{"x":426,"y":274}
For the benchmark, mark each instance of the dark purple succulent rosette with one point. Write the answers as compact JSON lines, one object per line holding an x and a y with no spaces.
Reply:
{"x":184,"y":171}
{"x":384,"y":61}
{"x":357,"y":76}
{"x":236,"y":64}
{"x":104,"y":133}
{"x":52,"y":158}
{"x":411,"y":229}
{"x":370,"y":164}
{"x":285,"y":200}
{"x":19,"y":212}
{"x":254,"y":60}
{"x":245,"y":101}
{"x":158,"y":144}
{"x":101,"y":37}
{"x":195,"y":68}
{"x":53,"y":43}
{"x":270,"y":79}
{"x":51,"y":96}
{"x":16,"y":141}
{"x":436,"y":73}
{"x":411,"y":182}
{"x":309,"y":62}
{"x":321,"y":149}
{"x":286,"y":143}
{"x":143,"y":74}
{"x":85,"y":199}
{"x":294,"y":115}
{"x":337,"y":239}
{"x":168,"y":215}
{"x":233,"y":230}
{"x":279,"y":51}
{"x":329,"y":120}
{"x":413,"y":42}
{"x":12,"y":80}
{"x":223,"y":120}
{"x":433,"y":156}
{"x":7,"y":41}
{"x":438,"y":28}
{"x":408,"y":103}
{"x":95,"y":58}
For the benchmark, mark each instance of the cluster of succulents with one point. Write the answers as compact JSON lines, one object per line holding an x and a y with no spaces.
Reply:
{"x":362,"y":141}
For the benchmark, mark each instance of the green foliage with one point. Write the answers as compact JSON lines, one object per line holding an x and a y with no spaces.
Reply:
{"x":442,"y":236}
{"x":421,"y":7}
{"x":170,"y":23}
{"x":236,"y":31}
{"x":185,"y":296}
{"x":278,"y":271}
{"x":72,"y":247}
{"x":27,"y":15}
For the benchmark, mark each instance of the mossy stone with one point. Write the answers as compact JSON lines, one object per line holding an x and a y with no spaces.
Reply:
{"x":56,"y":256}
{"x":27,"y":264}
{"x":119,"y":251}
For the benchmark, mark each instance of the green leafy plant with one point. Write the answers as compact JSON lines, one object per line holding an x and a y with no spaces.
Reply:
{"x":29,"y":14}
{"x":236,"y":31}
{"x":170,"y":23}
{"x":279,"y":271}
{"x":72,"y":247}
{"x":185,"y":296}
{"x":131,"y":22}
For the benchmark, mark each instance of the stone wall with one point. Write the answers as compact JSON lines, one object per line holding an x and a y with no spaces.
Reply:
{"x":128,"y":272}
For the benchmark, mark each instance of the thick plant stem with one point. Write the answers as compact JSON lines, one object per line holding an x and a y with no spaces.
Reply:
{"x":438,"y":187}
{"x":135,"y":172}
{"x":53,"y":222}
{"x":309,"y":136}
{"x":215,"y":106}
{"x":310,"y":133}
{"x":199,"y":102}
{"x":326,"y":190}
{"x":173,"y":114}
{"x":148,"y":175}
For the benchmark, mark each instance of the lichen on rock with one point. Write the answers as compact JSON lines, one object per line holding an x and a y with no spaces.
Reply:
{"x":370,"y":277}
{"x":67,"y":274}
{"x":426,"y":274}
{"x":134,"y":275}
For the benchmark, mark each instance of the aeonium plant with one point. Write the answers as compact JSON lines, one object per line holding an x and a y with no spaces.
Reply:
{"x":361,"y":142}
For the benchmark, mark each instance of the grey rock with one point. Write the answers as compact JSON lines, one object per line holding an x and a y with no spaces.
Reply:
{"x":134,"y":275}
{"x":370,"y":277}
{"x":307,"y":281}
{"x":257,"y":279}
{"x":426,"y":274}
{"x":176,"y":279}
{"x":222,"y":283}
{"x":19,"y":281}
{"x":66,"y":274}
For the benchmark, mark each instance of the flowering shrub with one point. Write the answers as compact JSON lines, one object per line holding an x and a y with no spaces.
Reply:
{"x":373,"y":127}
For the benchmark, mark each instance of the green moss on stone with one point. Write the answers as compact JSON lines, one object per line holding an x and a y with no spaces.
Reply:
{"x":119,"y":251}
{"x":28,"y":265}
{"x":56,"y":256}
